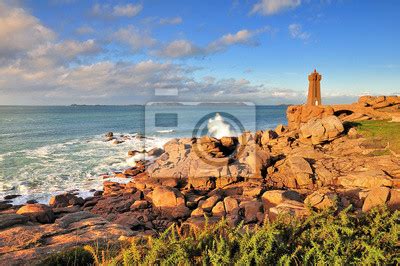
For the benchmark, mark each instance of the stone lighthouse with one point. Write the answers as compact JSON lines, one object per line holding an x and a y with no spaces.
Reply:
{"x":314,"y":89}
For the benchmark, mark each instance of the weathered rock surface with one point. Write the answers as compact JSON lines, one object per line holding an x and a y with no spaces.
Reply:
{"x":170,"y":201}
{"x":376,"y":197}
{"x":65,"y":200}
{"x":37,"y":213}
{"x":10,"y":219}
{"x":367,"y":179}
{"x":37,"y":241}
{"x":317,"y":131}
{"x":298,"y":115}
{"x":320,"y":200}
{"x":273,"y":198}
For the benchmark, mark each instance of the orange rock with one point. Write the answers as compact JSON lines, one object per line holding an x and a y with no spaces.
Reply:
{"x":394,"y":201}
{"x":376,"y":197}
{"x":274,"y":197}
{"x":37,"y":213}
{"x":301,"y":114}
{"x":218,"y":210}
{"x":231,"y":205}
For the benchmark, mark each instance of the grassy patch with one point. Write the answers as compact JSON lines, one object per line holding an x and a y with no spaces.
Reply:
{"x":379,"y":153}
{"x":326,"y":238}
{"x":69,"y":257}
{"x":378,"y":132}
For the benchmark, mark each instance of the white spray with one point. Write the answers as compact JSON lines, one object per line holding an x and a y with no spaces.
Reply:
{"x":218,"y":128}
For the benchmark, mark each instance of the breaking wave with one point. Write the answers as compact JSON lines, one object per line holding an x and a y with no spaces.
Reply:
{"x":71,"y":165}
{"x":218,"y":127}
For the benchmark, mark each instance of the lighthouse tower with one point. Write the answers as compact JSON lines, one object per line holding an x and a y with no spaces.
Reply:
{"x":314,"y":89}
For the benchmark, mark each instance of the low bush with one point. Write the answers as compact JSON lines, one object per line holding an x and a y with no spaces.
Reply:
{"x":325,"y":238}
{"x":69,"y":257}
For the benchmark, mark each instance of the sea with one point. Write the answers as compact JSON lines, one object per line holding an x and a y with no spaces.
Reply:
{"x":47,"y":150}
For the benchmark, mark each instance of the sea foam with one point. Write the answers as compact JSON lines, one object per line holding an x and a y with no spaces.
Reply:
{"x":218,"y":128}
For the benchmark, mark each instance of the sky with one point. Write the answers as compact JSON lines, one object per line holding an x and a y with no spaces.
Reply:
{"x":60,"y":52}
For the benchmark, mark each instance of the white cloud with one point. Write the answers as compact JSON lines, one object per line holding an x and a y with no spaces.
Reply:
{"x":241,"y":37}
{"x":108,"y":11}
{"x":271,"y":7}
{"x":171,"y":21}
{"x":128,"y":10}
{"x":123,"y":83}
{"x":63,"y":52}
{"x":184,"y":48}
{"x":296,"y":32}
{"x":20,"y":31}
{"x":136,"y":39}
{"x":180,"y":49}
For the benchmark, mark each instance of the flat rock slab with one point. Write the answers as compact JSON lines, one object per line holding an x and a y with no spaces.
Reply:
{"x":10,"y":219}
{"x":28,"y":244}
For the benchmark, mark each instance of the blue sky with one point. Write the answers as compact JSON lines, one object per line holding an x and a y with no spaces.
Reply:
{"x":119,"y":52}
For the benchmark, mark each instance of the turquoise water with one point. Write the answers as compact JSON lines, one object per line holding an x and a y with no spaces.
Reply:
{"x":47,"y":150}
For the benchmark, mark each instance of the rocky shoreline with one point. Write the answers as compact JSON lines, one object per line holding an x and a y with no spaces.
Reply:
{"x":317,"y":161}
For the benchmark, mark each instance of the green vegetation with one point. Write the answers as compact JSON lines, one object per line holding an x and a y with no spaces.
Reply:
{"x":381,"y":133}
{"x":74,"y":256}
{"x":326,"y":238}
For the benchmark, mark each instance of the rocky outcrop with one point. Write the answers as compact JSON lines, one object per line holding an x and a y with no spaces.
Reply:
{"x":170,"y":202}
{"x":370,"y":107}
{"x":317,"y":131}
{"x":11,"y":219}
{"x":37,"y":213}
{"x":210,"y":163}
{"x":35,"y":241}
{"x":367,"y":107}
{"x":297,"y":115}
{"x":65,"y":200}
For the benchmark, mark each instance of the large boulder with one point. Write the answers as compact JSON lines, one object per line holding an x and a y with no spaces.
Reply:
{"x":71,"y":218}
{"x":366,"y":179}
{"x":289,"y":208}
{"x":376,"y":197}
{"x":378,"y":102}
{"x":116,"y":204}
{"x":298,"y":173}
{"x":320,"y":200}
{"x":37,"y":213}
{"x":170,"y":201}
{"x":272,"y":198}
{"x":253,"y":211}
{"x":219,"y":210}
{"x":209,"y":203}
{"x":4,"y":205}
{"x":254,"y":160}
{"x":10,"y":219}
{"x":394,"y":199}
{"x":317,"y":131}
{"x":231,"y":205}
{"x":267,"y":136}
{"x":65,"y":200}
{"x":298,"y":115}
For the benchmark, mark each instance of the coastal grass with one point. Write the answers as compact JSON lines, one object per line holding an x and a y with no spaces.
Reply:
{"x":325,"y":238}
{"x":72,"y":256}
{"x":381,"y":133}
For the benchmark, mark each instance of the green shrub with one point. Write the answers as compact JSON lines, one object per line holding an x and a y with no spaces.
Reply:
{"x":325,"y":238}
{"x":74,"y":256}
